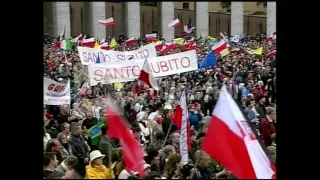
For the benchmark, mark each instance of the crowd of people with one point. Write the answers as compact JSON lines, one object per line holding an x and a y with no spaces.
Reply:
{"x":70,"y":152}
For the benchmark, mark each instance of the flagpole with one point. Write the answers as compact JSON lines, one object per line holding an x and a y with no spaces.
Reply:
{"x":167,"y":135}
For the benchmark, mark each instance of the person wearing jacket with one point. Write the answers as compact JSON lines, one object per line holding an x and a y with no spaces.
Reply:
{"x":195,"y":117}
{"x":267,"y":126}
{"x":79,"y":148}
{"x":96,"y":170}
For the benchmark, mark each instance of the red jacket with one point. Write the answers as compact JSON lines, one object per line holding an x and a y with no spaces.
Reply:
{"x":260,"y":92}
{"x":266,"y":130}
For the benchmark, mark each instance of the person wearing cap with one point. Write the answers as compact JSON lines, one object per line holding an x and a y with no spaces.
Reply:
{"x":96,"y":170}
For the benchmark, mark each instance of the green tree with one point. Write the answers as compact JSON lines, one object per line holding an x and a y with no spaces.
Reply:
{"x":226,"y":6}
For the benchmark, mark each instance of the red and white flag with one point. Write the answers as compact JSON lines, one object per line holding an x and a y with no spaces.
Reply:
{"x":180,"y":119}
{"x":133,"y":154}
{"x":104,"y":45}
{"x":88,"y":42}
{"x":174,"y":23}
{"x":107,"y":22}
{"x":130,"y":42}
{"x":151,"y":37}
{"x":220,"y":46}
{"x":146,"y":76}
{"x":76,"y":39}
{"x":231,"y":141}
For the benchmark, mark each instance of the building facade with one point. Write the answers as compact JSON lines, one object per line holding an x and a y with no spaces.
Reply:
{"x":136,"y":19}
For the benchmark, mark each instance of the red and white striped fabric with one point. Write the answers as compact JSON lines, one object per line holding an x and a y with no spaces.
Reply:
{"x":105,"y":46}
{"x":88,"y":42}
{"x":272,"y":36}
{"x":220,"y":46}
{"x":174,"y":23}
{"x":158,"y":45}
{"x":130,"y":42}
{"x":107,"y":22}
{"x":231,"y":141}
{"x":146,"y":76}
{"x":151,"y":37}
{"x":272,"y":53}
{"x":78,"y":38}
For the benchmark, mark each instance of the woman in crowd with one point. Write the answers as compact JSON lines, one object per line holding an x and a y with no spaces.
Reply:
{"x":96,"y":170}
{"x":172,"y":167}
{"x":66,"y":149}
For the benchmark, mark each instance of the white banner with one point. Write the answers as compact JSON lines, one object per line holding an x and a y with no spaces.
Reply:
{"x":56,"y":93}
{"x":90,"y":55}
{"x":130,"y":70}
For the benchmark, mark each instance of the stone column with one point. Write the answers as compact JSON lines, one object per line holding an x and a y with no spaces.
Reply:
{"x":133,"y":19}
{"x":236,"y":18}
{"x":61,"y":18}
{"x":202,"y":18}
{"x":98,"y":12}
{"x":271,"y":17}
{"x":167,"y":12}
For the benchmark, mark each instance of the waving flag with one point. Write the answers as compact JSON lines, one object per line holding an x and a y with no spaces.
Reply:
{"x":133,"y":154}
{"x":174,"y":23}
{"x":107,"y":22}
{"x":147,"y":76}
{"x":181,"y":120}
{"x":231,"y":141}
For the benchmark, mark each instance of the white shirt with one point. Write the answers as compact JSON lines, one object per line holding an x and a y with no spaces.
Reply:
{"x":124,"y":174}
{"x":137,"y":107}
{"x":152,"y":115}
{"x":95,"y":111}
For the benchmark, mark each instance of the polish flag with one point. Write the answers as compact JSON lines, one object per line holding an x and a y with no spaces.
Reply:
{"x":171,"y":45}
{"x":133,"y":154}
{"x":147,"y":76}
{"x":104,"y":45}
{"x":272,"y":37}
{"x":181,"y":120}
{"x":158,"y":45}
{"x":107,"y":22}
{"x":220,"y":46}
{"x":130,"y":42}
{"x":76,"y":39}
{"x":174,"y":23}
{"x":231,"y":141}
{"x":272,"y":53}
{"x":88,"y":42}
{"x":151,"y":37}
{"x":164,"y":49}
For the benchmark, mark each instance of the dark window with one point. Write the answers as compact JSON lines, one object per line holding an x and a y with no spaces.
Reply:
{"x":185,"y":5}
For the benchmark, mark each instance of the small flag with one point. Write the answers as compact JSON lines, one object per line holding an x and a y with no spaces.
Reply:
{"x":96,"y":45}
{"x":113,"y":43}
{"x":107,"y":22}
{"x":174,"y":23}
{"x":258,"y":51}
{"x":224,"y":52}
{"x":235,"y":39}
{"x":220,"y":46}
{"x":66,"y":44}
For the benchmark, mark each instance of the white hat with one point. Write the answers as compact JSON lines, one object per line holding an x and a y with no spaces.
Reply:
{"x":95,"y":154}
{"x":60,"y":79}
